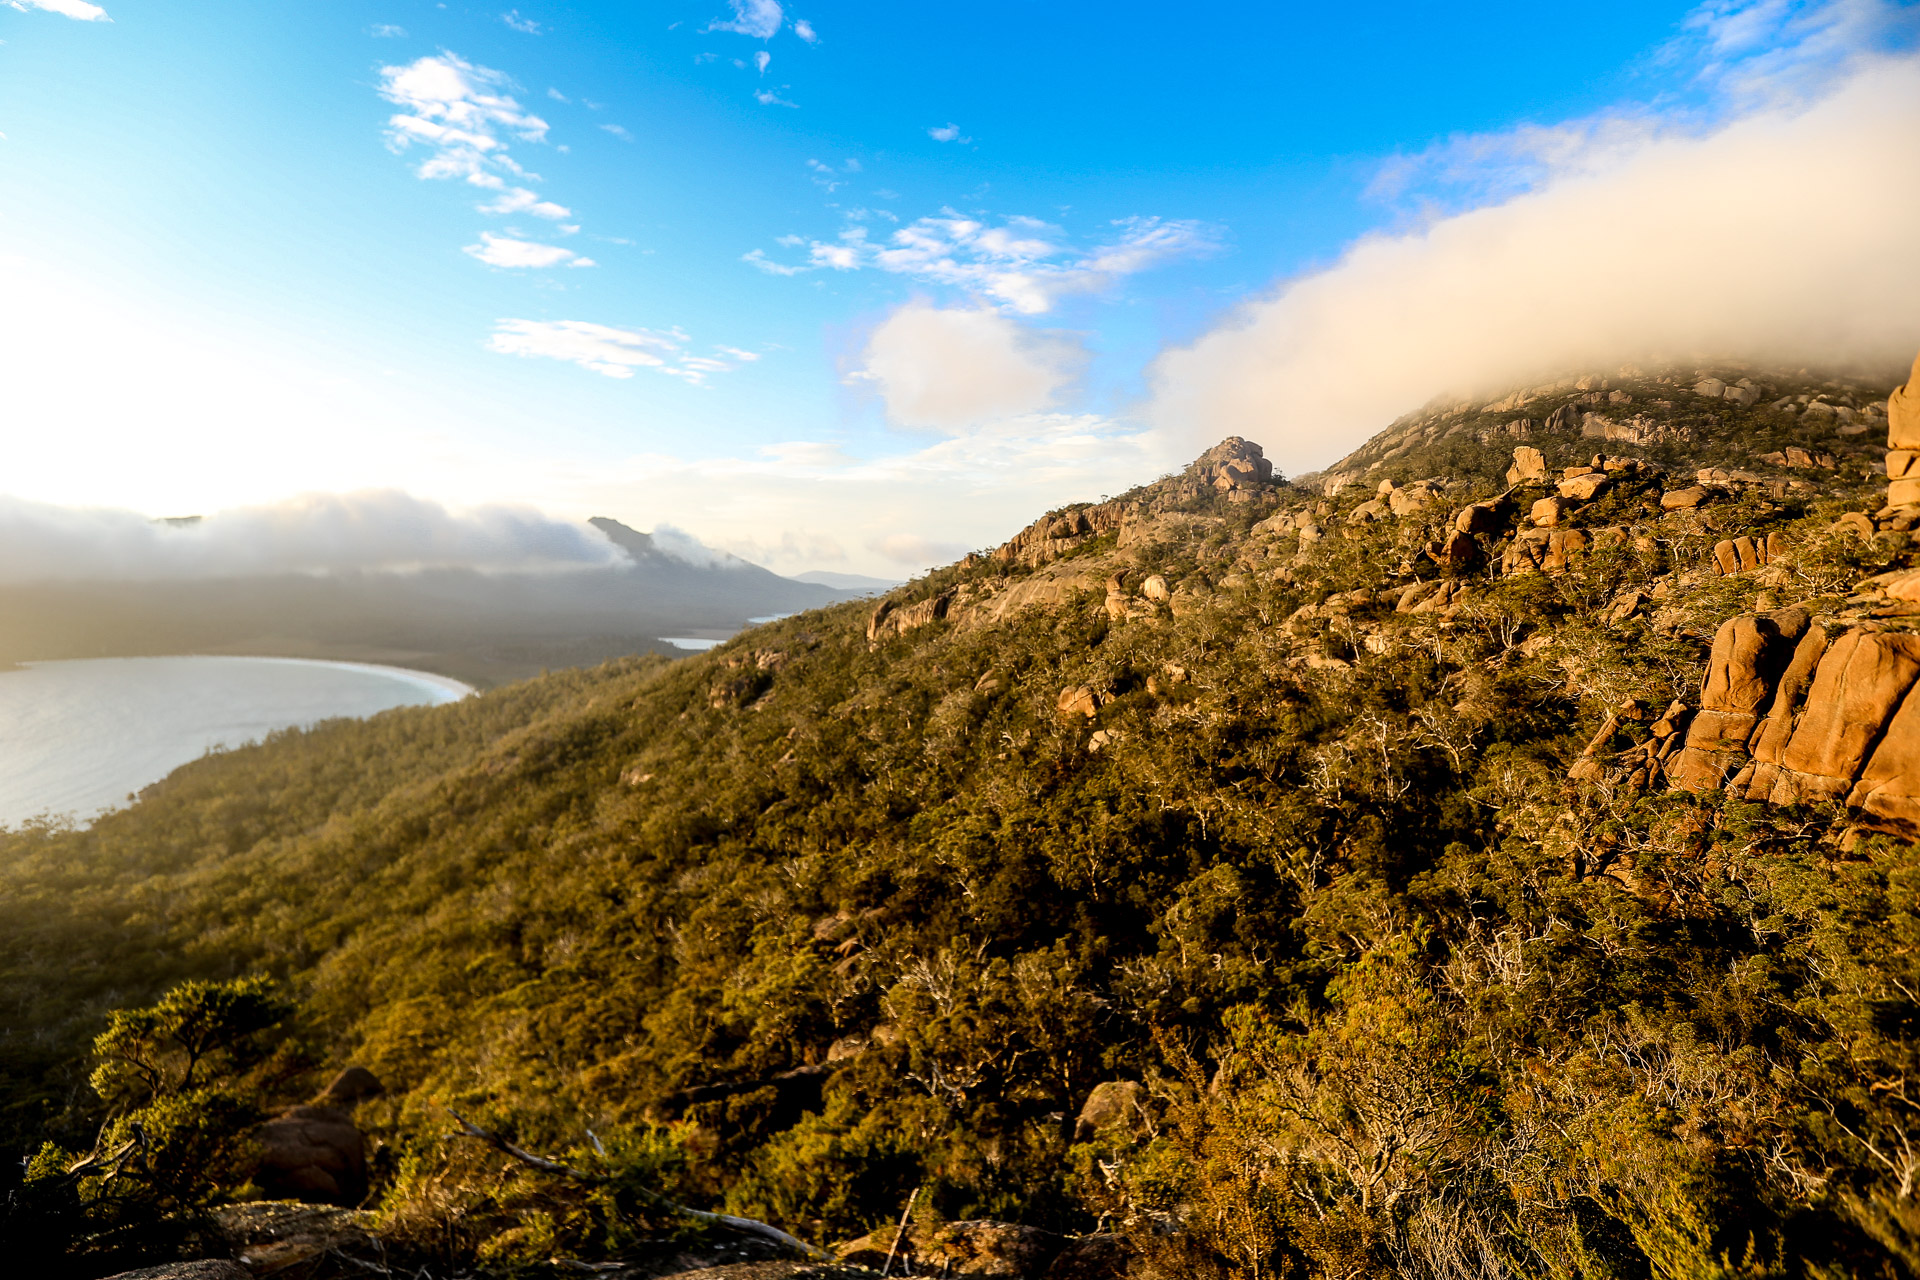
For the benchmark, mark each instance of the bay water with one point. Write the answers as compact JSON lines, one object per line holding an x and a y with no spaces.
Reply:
{"x":78,"y":737}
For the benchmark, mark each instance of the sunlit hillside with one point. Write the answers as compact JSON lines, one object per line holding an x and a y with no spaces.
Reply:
{"x":1236,"y":877}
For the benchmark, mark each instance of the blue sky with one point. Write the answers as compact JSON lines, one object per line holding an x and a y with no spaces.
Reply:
{"x":837,"y":286}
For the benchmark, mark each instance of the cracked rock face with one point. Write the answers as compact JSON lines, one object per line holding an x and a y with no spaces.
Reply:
{"x":1804,"y":714}
{"x":1903,"y":437}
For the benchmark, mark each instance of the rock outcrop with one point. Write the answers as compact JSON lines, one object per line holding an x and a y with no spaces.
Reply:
{"x":1750,"y":654}
{"x":1903,"y":442}
{"x":1584,"y":484}
{"x":351,"y":1087}
{"x":1114,"y":1104}
{"x":1079,"y":700}
{"x":275,"y":1238}
{"x":1529,"y":466}
{"x":1794,"y":711}
{"x":204,"y":1269}
{"x":1545,"y":550}
{"x":1058,"y":532}
{"x":1738,"y":555}
{"x":1234,"y":466}
{"x":892,"y":619}
{"x":316,"y":1154}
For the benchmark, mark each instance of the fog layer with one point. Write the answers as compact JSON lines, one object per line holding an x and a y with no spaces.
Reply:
{"x":315,"y":533}
{"x":1788,"y":236}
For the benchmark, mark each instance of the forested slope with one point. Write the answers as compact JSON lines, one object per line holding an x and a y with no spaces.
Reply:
{"x":1303,"y":817}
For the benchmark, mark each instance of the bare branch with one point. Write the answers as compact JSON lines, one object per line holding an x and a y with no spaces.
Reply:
{"x":750,"y":1226}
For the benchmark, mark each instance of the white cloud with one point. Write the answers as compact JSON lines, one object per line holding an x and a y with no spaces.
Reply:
{"x":760,"y":19}
{"x":768,"y":98}
{"x":1022,"y":263}
{"x":681,"y":545}
{"x":947,"y":133}
{"x":458,"y":112}
{"x":381,"y":530}
{"x":610,"y":351}
{"x":526,"y":26}
{"x":618,"y":131}
{"x":832,"y":179}
{"x":462,"y":115}
{"x":762,"y":60}
{"x":1754,"y":53}
{"x":951,"y":369}
{"x":79,"y":10}
{"x":386,"y":31}
{"x":804,"y":29}
{"x":520,"y":200}
{"x":1785,"y":235}
{"x":558,"y":96}
{"x":509,"y":251}
{"x":759,"y":258}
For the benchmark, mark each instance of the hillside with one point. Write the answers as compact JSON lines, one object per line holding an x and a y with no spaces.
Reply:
{"x":1374,"y":873}
{"x":484,"y":628}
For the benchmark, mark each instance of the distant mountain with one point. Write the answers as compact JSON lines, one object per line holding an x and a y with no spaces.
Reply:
{"x":486,"y":628}
{"x":847,"y":581}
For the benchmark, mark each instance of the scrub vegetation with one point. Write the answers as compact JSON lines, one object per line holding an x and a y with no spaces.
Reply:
{"x":807,"y":924}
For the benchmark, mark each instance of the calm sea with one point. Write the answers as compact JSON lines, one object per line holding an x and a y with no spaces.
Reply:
{"x":78,"y":737}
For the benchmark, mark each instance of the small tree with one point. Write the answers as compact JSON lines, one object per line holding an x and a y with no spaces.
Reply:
{"x":177,"y":1078}
{"x":199,"y":1031}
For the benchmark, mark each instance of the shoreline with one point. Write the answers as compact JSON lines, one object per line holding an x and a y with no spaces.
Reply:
{"x":458,"y":689}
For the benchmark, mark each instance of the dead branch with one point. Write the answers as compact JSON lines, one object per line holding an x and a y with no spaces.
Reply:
{"x":750,"y":1226}
{"x":114,"y":1163}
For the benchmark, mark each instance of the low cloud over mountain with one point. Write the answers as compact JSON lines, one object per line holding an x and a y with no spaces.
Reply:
{"x":310,"y":534}
{"x":1786,"y":234}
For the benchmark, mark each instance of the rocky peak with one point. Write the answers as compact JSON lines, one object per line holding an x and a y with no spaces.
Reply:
{"x":638,"y":546}
{"x":1234,"y":466}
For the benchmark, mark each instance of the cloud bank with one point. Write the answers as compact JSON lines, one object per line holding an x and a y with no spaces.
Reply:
{"x":952,"y":368}
{"x":1786,"y":235}
{"x":381,"y":530}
